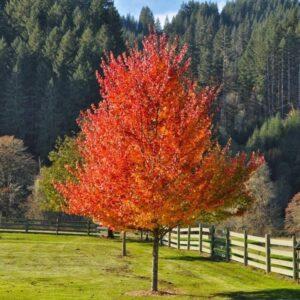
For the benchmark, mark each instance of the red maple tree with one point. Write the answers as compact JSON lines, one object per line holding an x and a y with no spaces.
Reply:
{"x":150,"y":160}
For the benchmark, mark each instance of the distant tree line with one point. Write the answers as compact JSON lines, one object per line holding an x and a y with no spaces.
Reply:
{"x":49,"y":51}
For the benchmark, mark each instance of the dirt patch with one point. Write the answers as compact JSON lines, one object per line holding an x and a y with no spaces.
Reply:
{"x":165,"y":282}
{"x":186,"y":273}
{"x":168,"y":292}
{"x":118,"y":269}
{"x":142,"y":277}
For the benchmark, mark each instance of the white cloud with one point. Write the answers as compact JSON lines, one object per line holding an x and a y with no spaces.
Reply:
{"x":162,"y":17}
{"x":221,"y":4}
{"x":171,"y":14}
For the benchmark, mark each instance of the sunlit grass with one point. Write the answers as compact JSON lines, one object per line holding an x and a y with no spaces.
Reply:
{"x":41,"y":267}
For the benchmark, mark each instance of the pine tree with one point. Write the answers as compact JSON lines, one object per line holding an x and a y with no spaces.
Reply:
{"x":65,"y":54}
{"x":52,"y":45}
{"x":157,"y":25}
{"x":146,"y":20}
{"x":5,"y":69}
{"x":48,"y":127}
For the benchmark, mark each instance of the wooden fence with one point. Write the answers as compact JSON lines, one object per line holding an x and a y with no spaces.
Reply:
{"x":50,"y":226}
{"x":266,"y":253}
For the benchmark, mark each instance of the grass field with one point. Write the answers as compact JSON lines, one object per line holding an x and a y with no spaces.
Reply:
{"x":42,"y":267}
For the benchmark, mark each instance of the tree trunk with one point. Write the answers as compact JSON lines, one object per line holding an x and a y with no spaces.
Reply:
{"x":110,"y":233}
{"x":272,"y":84}
{"x":267,"y":89}
{"x":155,"y":260}
{"x":282,"y":83}
{"x":147,"y":236}
{"x":299,"y":86}
{"x":124,"y":253}
{"x":289,"y":78}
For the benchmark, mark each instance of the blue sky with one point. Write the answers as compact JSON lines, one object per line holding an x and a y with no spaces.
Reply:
{"x":160,"y":8}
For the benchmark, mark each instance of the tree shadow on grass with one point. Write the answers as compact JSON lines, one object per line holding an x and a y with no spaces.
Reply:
{"x":192,"y":258}
{"x":275,"y":294}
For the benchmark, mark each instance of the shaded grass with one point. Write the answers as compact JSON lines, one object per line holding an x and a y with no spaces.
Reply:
{"x":34,"y":266}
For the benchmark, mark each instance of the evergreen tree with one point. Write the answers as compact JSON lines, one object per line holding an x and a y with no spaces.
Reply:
{"x":5,"y":69}
{"x":157,"y":25}
{"x":146,"y":20}
{"x":48,"y":128}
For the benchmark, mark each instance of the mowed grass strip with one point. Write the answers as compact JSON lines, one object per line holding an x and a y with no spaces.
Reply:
{"x":40,"y":266}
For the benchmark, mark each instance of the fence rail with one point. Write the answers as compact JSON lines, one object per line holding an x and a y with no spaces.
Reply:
{"x":50,"y":226}
{"x":266,"y":253}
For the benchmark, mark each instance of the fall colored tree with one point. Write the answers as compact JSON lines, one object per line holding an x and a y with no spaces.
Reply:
{"x":150,"y":160}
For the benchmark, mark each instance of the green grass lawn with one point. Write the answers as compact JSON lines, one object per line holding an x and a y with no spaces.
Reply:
{"x":34,"y":266}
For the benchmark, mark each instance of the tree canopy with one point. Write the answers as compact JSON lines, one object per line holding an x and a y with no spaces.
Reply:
{"x":17,"y":171}
{"x":64,"y":154}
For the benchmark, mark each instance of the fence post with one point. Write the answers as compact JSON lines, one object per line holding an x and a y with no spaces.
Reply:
{"x":178,"y":237}
{"x":161,"y":240}
{"x":268,"y":252}
{"x":189,"y":238}
{"x":295,"y":259}
{"x":169,"y":238}
{"x":200,"y":238}
{"x":57,"y":225}
{"x":88,"y":227}
{"x":212,"y":245}
{"x":245,"y":248}
{"x":227,"y":244}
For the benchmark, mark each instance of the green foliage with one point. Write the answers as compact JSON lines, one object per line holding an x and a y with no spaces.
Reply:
{"x":64,"y":155}
{"x":196,"y":24}
{"x":268,"y":136}
{"x":134,"y":31}
{"x":146,"y":20}
{"x":279,"y":140}
{"x":50,"y":49}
